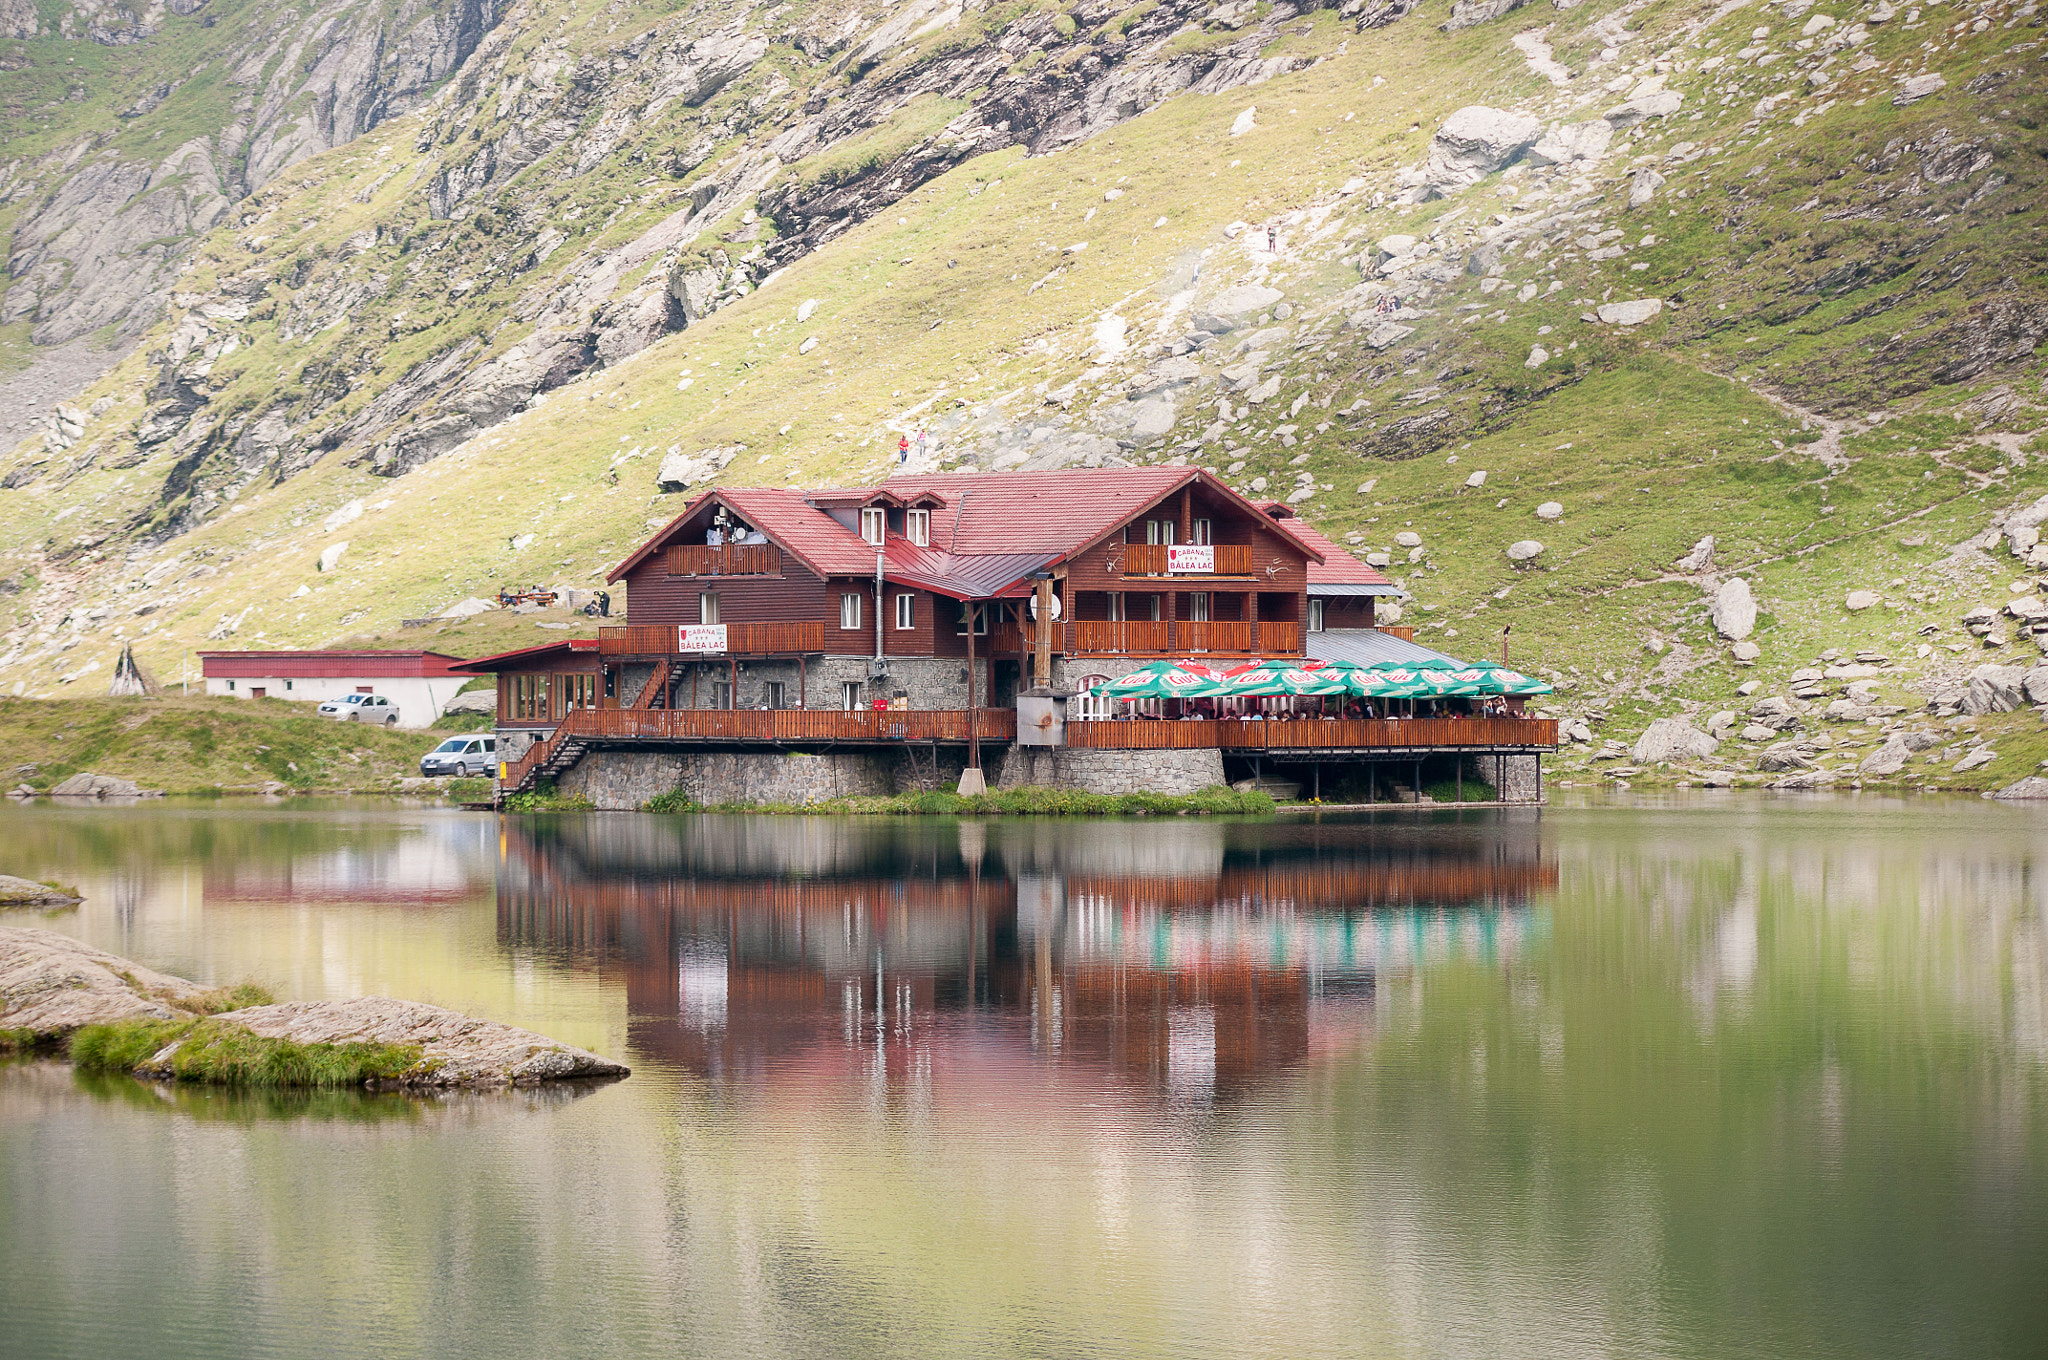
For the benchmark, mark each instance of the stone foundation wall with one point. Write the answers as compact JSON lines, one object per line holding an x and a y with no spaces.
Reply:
{"x":1088,"y":771}
{"x":620,"y":781}
{"x":1518,"y":779}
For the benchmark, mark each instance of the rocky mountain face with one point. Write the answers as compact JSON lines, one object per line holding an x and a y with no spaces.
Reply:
{"x":109,"y":200}
{"x":1768,"y":261}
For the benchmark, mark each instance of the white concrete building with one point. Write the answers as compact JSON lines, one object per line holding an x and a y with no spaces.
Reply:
{"x":418,"y":683}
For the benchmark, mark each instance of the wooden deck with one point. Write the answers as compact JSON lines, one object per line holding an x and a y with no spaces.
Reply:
{"x":1157,"y":637}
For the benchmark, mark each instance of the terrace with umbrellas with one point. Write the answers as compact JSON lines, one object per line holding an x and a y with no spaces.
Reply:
{"x":1400,"y":715}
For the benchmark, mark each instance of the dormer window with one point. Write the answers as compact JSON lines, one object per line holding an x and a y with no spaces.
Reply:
{"x":874,"y":522}
{"x":917,"y":527}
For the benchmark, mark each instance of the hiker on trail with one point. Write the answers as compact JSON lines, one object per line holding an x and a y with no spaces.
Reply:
{"x":921,"y":438}
{"x":1272,"y":239}
{"x":902,"y":448}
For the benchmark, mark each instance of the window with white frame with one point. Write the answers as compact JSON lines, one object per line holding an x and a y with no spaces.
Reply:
{"x":1159,"y":531}
{"x":917,"y":527}
{"x":1205,"y":531}
{"x":1090,"y":706}
{"x":849,"y":609}
{"x":1198,"y":606}
{"x":906,"y":612}
{"x":874,"y":522}
{"x":1116,"y":607}
{"x":707,"y":608}
{"x":1315,"y":616}
{"x":849,"y":695}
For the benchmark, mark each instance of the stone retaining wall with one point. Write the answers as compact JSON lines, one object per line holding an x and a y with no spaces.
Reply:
{"x":1092,"y":771}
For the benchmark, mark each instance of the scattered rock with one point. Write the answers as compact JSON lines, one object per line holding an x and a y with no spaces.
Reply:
{"x":330,"y":556}
{"x":1524,"y":550}
{"x":1746,"y":650}
{"x":1859,"y":600}
{"x":1734,"y":610}
{"x":1913,"y":89}
{"x":1983,"y":755}
{"x":1569,"y":142}
{"x":1643,"y":187}
{"x":476,"y":701}
{"x":1700,"y":558}
{"x":1777,"y":759}
{"x":1670,"y":740}
{"x":1758,"y":732}
{"x":1631,"y":313}
{"x":1810,"y":779}
{"x":1469,"y":13}
{"x":1408,"y":538}
{"x":1245,"y":121}
{"x":1550,"y":510}
{"x":1655,"y":104}
{"x":1387,"y":333}
{"x":1538,"y":356}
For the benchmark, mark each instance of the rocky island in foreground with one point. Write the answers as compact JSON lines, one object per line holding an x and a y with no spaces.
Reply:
{"x":116,"y":1014}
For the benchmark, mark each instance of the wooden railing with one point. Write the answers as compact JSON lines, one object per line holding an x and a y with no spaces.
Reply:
{"x":742,"y":639}
{"x":1168,"y":637}
{"x":1149,"y":559}
{"x":783,"y":727}
{"x":1313,"y":734}
{"x":733,"y":559}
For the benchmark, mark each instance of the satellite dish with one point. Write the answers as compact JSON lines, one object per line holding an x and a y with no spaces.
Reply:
{"x":1056,"y":608}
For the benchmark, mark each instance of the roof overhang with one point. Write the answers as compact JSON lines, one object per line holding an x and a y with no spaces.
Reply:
{"x":1336,"y":589}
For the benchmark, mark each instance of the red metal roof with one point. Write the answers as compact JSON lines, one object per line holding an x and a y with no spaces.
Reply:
{"x":327,"y":665}
{"x":1338,"y":567}
{"x":989,"y":531}
{"x":524,"y":656}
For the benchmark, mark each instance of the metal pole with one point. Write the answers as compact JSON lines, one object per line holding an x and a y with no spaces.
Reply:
{"x":878,"y":604}
{"x":973,"y":737}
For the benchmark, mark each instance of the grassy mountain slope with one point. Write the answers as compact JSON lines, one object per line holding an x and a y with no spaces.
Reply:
{"x":1842,"y":386}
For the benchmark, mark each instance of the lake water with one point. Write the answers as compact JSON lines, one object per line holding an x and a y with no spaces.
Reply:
{"x":1693,"y":1078}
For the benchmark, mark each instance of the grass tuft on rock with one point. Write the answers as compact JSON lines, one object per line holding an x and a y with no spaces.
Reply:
{"x":222,"y":1053}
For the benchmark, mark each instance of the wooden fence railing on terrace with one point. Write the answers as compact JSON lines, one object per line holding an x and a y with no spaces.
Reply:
{"x":781,"y":727}
{"x":734,"y":559}
{"x":1149,"y":559}
{"x":1320,"y":734}
{"x":742,"y":639}
{"x":1167,"y":637}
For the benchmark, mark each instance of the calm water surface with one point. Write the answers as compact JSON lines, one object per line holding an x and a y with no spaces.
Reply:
{"x":1731,"y":1078}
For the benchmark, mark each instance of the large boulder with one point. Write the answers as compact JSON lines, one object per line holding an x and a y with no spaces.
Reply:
{"x":1734,"y":610}
{"x":1568,"y":142}
{"x":1470,"y":13}
{"x":1995,"y":689}
{"x":1669,"y":740}
{"x":86,"y":784}
{"x":50,"y":984}
{"x":1473,"y":143}
{"x":1631,"y":313}
{"x":26,"y":892}
{"x":2033,"y":786}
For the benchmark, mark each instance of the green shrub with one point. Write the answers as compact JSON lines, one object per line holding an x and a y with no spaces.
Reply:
{"x":1446,"y":791}
{"x":543,"y":798}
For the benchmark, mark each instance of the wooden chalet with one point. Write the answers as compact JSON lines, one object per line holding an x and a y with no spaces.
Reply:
{"x":919,"y":609}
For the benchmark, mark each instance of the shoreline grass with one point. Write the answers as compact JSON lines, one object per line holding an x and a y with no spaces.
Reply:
{"x":221,"y":1053}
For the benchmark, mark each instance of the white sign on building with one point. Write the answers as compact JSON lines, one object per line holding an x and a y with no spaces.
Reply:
{"x":1195,"y":559}
{"x":700,"y":637}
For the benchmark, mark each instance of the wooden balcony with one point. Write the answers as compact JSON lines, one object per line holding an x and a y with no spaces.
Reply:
{"x":742,"y":639}
{"x":1393,"y":736}
{"x":734,"y":559}
{"x":1165,"y":637}
{"x":1149,"y":559}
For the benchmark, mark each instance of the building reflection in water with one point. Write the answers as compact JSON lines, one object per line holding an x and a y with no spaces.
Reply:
{"x":1190,"y":959}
